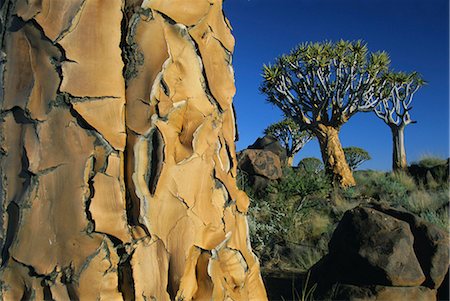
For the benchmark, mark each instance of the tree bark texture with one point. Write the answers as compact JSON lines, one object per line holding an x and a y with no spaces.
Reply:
{"x":333,"y":156}
{"x":118,"y":164}
{"x":290,"y":160}
{"x":399,"y":152}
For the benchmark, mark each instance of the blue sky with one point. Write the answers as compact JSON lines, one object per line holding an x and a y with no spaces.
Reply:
{"x":414,"y":33}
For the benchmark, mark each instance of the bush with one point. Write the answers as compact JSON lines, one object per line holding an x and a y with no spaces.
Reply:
{"x":292,"y":223}
{"x":299,"y":183}
{"x":381,"y":186}
{"x":438,"y":218}
{"x":294,"y":210}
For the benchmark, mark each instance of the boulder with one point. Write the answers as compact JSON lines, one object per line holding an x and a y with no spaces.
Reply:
{"x":375,"y":243}
{"x":270,"y":143}
{"x":431,"y":244}
{"x":381,"y":253}
{"x":382,"y":293}
{"x":427,"y":174}
{"x":261,"y":163}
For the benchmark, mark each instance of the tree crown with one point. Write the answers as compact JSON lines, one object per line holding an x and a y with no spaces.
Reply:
{"x":325,"y":82}
{"x":311,"y":165}
{"x":289,"y":134}
{"x":355,"y":156}
{"x":399,"y":92}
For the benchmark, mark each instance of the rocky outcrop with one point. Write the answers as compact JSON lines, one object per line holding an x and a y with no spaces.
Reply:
{"x":427,"y":174}
{"x":118,"y":165}
{"x":382,"y":293}
{"x":262,"y":162}
{"x":270,"y":143}
{"x":380,"y":253}
{"x":260,"y":166}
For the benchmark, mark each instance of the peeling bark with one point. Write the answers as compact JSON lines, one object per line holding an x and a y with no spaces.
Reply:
{"x":333,"y":156}
{"x":117,"y":158}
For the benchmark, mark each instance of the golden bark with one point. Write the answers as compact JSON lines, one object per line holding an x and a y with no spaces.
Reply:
{"x":333,"y":156}
{"x":289,"y":160}
{"x":118,"y":163}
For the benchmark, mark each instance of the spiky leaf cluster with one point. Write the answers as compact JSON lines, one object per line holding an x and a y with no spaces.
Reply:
{"x":355,"y":156}
{"x":325,"y":82}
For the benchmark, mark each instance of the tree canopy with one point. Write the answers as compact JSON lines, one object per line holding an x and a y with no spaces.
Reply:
{"x":394,"y":108}
{"x":288,"y":133}
{"x":355,"y":156}
{"x":311,"y":165}
{"x":325,"y":82}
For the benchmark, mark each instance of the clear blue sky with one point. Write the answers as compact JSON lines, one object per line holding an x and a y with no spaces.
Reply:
{"x":414,"y":33}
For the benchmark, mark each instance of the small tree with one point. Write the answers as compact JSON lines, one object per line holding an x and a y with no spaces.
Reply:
{"x":291,"y":138}
{"x":321,"y":86}
{"x":310,"y":165}
{"x":394,"y":111}
{"x":355,"y":156}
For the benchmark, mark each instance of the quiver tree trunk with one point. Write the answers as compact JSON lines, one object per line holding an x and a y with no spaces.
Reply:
{"x":399,"y":153}
{"x":118,"y":164}
{"x":333,"y":156}
{"x":289,"y":160}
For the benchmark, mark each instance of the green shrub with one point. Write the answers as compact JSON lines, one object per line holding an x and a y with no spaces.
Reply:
{"x":292,"y":223}
{"x":405,"y":180}
{"x":439,"y":218}
{"x":298,"y":183}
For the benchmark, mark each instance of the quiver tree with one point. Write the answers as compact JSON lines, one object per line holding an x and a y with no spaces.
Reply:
{"x":291,"y":138}
{"x":321,"y":86}
{"x":355,"y":156}
{"x":117,"y":161}
{"x":394,"y":111}
{"x":310,"y":165}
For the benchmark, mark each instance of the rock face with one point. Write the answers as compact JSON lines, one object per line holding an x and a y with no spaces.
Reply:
{"x":270,"y":143}
{"x":438,"y":173}
{"x":261,"y":167}
{"x":262,"y":162}
{"x":118,"y":164}
{"x":380,"y":253}
{"x":383,"y":293}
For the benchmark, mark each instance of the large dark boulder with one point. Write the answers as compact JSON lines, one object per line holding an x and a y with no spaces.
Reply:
{"x":378,"y":252}
{"x":260,"y":162}
{"x":426,"y":174}
{"x":376,"y":244}
{"x":261,"y":168}
{"x":431,"y":244}
{"x":385,"y":293}
{"x":270,"y":143}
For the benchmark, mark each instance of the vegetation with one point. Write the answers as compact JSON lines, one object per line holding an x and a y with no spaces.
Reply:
{"x":321,"y":86}
{"x":291,"y":138}
{"x":394,"y":110}
{"x":311,"y":165}
{"x":355,"y":156}
{"x":292,"y":223}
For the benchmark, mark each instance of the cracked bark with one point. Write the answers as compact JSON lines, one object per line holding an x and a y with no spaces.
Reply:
{"x":333,"y":156}
{"x":99,"y":202}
